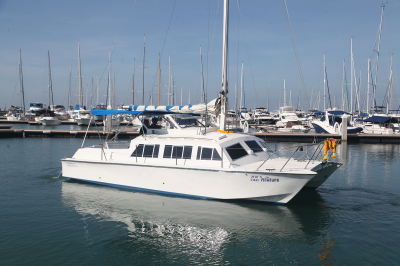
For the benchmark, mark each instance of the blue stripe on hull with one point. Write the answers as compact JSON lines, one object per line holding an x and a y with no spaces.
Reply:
{"x":172,"y":193}
{"x":144,"y":189}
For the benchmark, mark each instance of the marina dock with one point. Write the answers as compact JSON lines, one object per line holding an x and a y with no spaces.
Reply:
{"x":267,"y":136}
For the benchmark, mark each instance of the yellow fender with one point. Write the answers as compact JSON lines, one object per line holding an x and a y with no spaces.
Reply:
{"x":334,"y":144}
{"x":326,"y":149}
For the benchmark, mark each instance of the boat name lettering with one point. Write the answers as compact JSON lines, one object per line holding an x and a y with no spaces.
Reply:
{"x":257,"y":178}
{"x":71,"y":164}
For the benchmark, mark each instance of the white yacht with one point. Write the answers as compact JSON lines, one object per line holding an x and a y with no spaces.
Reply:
{"x":331,"y":123}
{"x":83,"y":117}
{"x":379,"y":125}
{"x":197,"y":161}
{"x":50,"y":120}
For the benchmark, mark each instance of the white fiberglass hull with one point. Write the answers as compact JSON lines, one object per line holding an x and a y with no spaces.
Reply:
{"x":324,"y":171}
{"x":50,"y":121}
{"x":202,"y":183}
{"x":83,"y":121}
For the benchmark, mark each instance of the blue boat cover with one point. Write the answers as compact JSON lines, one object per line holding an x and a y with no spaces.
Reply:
{"x":381,"y":119}
{"x":336,"y":112}
{"x":127,"y":112}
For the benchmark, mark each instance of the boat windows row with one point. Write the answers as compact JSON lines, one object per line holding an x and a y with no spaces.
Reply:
{"x":235,"y":151}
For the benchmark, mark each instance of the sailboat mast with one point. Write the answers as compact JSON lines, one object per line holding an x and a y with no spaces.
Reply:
{"x":241,"y":90}
{"x":369,"y":65}
{"x":113,"y":99}
{"x":169,"y":80}
{"x":21,"y":86}
{"x":80,"y":76}
{"x":284,"y":92}
{"x":201,"y":78}
{"x":224,"y":90}
{"x":69,"y":86}
{"x":50,"y":92}
{"x":159,"y":78}
{"x":324,"y":83}
{"x":343,"y":88}
{"x":133,"y":83}
{"x":351,"y":84}
{"x":377,"y":56}
{"x":390,"y":86}
{"x":98,"y":93}
{"x":268,"y":98}
{"x":144,"y":56}
{"x":109,"y":81}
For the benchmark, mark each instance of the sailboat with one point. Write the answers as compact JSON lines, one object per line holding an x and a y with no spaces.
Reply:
{"x":18,"y":113}
{"x":194,"y":162}
{"x":48,"y":118}
{"x":82,"y":116}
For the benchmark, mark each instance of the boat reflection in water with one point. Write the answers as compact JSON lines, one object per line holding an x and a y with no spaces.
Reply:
{"x":179,"y":226}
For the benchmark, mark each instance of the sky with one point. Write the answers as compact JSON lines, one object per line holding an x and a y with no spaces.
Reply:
{"x":259,"y":37}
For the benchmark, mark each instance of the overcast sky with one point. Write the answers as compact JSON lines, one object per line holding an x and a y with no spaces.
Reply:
{"x":259,"y":38}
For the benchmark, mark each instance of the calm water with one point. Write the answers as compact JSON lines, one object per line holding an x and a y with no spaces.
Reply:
{"x":353,"y":219}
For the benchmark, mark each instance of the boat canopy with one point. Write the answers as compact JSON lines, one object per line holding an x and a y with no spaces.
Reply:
{"x":381,"y":119}
{"x":128,"y":112}
{"x":337,"y":112}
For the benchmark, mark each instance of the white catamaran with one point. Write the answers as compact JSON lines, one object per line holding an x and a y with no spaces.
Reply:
{"x":197,"y":161}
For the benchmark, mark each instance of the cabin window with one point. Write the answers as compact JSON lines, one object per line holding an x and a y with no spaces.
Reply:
{"x":138,"y":151}
{"x":216,"y":156}
{"x":167,"y":151}
{"x":236,"y":151}
{"x":177,"y":152}
{"x":253,"y":145}
{"x":148,"y":150}
{"x":156,"y":149}
{"x":187,"y":152}
{"x":208,"y":154}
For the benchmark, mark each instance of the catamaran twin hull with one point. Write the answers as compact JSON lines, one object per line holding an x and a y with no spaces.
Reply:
{"x":202,"y":183}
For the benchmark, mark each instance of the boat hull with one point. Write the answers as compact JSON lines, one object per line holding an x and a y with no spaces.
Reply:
{"x":50,"y":122}
{"x":82,"y":121}
{"x":323,"y":172}
{"x":189,"y":182}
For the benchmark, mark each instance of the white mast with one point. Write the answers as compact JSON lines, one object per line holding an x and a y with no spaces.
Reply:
{"x":69,"y":91}
{"x":224,"y":90}
{"x":97,"y":90}
{"x":268,"y":98}
{"x":358,"y":95}
{"x":169,"y":80}
{"x":113,"y":99}
{"x":369,"y":65}
{"x":181,"y":96}
{"x":390,"y":86}
{"x":351,"y":84}
{"x":284,"y":92}
{"x":80,"y":77}
{"x":324,"y":83}
{"x":241,"y":90}
{"x":203,"y":96}
{"x":377,"y":56}
{"x":48,"y":57}
{"x":144,"y":56}
{"x":21,"y":85}
{"x":343,"y":101}
{"x":109,"y":82}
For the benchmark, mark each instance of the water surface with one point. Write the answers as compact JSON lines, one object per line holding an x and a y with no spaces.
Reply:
{"x":352,"y":219}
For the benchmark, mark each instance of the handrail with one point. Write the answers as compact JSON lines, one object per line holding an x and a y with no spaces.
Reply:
{"x":289,"y":159}
{"x":276,"y":151}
